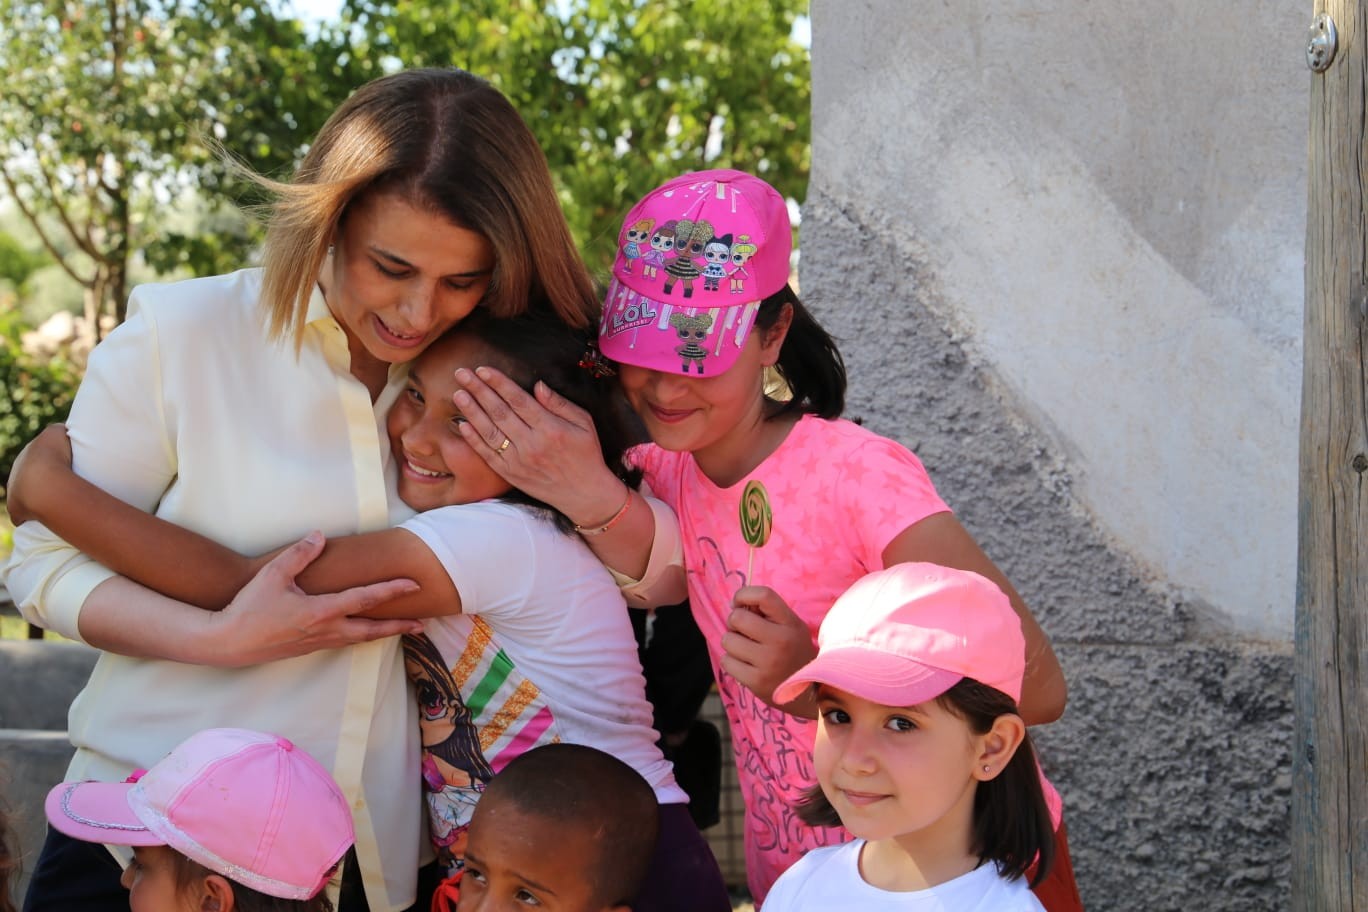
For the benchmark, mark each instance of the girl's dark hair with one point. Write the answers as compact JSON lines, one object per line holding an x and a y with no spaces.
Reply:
{"x":188,"y":871}
{"x":537,"y":345}
{"x":1011,"y":820}
{"x":809,"y":361}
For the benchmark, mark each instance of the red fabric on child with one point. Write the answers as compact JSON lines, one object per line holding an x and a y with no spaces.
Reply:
{"x":447,"y":894}
{"x":1058,"y":892}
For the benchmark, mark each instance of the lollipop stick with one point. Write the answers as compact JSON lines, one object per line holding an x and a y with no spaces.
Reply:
{"x":756,"y":521}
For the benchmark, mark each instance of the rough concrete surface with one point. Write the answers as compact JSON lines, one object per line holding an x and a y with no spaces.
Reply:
{"x":55,"y":670}
{"x":1112,"y":197}
{"x":1173,"y":755}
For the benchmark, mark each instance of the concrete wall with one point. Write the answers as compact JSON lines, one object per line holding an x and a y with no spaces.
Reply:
{"x":1061,"y":243}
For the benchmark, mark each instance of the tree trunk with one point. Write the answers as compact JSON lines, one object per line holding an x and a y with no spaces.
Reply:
{"x":1330,"y":747}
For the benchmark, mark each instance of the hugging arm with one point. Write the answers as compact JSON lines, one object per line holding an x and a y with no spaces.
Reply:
{"x":271,"y":618}
{"x":122,"y":443}
{"x":187,"y":567}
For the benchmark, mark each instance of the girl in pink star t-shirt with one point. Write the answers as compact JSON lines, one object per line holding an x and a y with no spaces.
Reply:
{"x":692,"y":360}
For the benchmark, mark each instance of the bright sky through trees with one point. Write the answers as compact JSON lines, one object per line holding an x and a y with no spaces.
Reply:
{"x":327,"y":10}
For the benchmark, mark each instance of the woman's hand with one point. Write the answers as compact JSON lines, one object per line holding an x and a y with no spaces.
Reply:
{"x":50,"y":449}
{"x":545,"y":446}
{"x":272,"y":618}
{"x":764,"y":644}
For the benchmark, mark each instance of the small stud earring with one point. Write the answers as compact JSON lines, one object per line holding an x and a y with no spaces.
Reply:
{"x":987,"y":768}
{"x":330,"y":250}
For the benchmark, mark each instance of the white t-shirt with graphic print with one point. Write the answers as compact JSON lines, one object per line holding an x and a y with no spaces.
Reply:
{"x":543,"y":652}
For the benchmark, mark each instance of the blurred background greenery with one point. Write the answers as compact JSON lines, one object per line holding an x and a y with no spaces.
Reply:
{"x":106,"y":180}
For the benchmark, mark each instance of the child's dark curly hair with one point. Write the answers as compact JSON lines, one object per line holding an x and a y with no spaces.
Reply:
{"x":538,"y":346}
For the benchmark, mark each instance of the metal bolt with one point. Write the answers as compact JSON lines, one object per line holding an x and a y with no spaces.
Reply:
{"x":1322,"y":42}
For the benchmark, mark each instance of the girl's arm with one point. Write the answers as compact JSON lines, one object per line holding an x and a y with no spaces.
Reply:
{"x":940,"y":539}
{"x":188,"y":567}
{"x":766,"y":642}
{"x":270,"y":619}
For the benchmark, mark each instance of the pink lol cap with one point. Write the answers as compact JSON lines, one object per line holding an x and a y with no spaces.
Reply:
{"x":695,"y":258}
{"x":250,"y":806}
{"x":908,"y":634}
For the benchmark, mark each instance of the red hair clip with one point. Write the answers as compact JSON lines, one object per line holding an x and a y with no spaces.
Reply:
{"x":598,"y":366}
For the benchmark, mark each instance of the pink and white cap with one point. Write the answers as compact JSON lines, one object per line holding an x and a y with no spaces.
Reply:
{"x":907,"y":634}
{"x":696,"y":256}
{"x":250,"y":806}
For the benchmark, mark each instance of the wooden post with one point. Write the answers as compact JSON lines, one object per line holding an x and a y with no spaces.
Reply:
{"x":1330,"y":748}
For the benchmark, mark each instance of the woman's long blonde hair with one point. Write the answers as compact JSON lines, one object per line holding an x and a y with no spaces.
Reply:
{"x":446,"y":141}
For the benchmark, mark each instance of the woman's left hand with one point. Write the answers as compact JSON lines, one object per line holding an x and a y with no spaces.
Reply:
{"x":545,"y":446}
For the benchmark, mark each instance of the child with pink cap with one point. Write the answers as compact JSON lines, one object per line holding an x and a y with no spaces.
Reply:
{"x":921,"y":752}
{"x":697,"y":360}
{"x":231,"y":819}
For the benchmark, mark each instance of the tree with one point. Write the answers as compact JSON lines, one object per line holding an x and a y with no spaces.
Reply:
{"x":623,"y":94}
{"x":108,"y":107}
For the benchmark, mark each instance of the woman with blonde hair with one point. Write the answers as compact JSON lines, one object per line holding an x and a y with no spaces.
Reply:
{"x":249,"y":407}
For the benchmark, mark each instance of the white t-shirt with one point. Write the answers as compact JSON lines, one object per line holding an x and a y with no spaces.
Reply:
{"x":542,"y":652}
{"x":829,"y":879}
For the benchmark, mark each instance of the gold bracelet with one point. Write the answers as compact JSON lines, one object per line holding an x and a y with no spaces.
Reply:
{"x":612,"y":521}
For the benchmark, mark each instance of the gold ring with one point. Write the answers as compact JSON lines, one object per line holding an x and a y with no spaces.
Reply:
{"x":503,"y":446}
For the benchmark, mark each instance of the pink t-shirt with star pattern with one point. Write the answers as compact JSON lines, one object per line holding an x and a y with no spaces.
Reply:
{"x":839,"y":494}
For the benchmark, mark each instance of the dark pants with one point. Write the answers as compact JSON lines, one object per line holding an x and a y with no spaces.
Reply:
{"x":684,"y":876}
{"x":75,"y":876}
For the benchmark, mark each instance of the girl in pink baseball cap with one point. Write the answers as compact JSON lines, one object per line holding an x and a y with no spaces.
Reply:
{"x":697,"y":360}
{"x":921,"y":753}
{"x":231,"y":819}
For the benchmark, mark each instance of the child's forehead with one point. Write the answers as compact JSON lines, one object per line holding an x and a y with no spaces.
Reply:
{"x":552,"y":852}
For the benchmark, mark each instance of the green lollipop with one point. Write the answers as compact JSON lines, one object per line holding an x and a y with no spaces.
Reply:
{"x":756,"y":520}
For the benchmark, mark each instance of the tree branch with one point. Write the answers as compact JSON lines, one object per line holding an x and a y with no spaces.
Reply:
{"x":38,"y":227}
{"x":77,"y":238}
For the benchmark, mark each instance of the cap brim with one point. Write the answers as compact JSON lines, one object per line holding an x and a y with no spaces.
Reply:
{"x":97,"y":812}
{"x":673,"y":336}
{"x":871,"y":675}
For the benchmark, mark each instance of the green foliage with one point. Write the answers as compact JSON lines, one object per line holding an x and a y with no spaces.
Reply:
{"x":623,"y":94}
{"x":18,"y":263}
{"x":103,"y":129}
{"x":37,"y":393}
{"x":109,"y":105}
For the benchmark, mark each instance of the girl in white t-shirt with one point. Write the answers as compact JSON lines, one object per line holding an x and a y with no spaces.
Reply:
{"x":528,"y":640}
{"x":920,"y":752}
